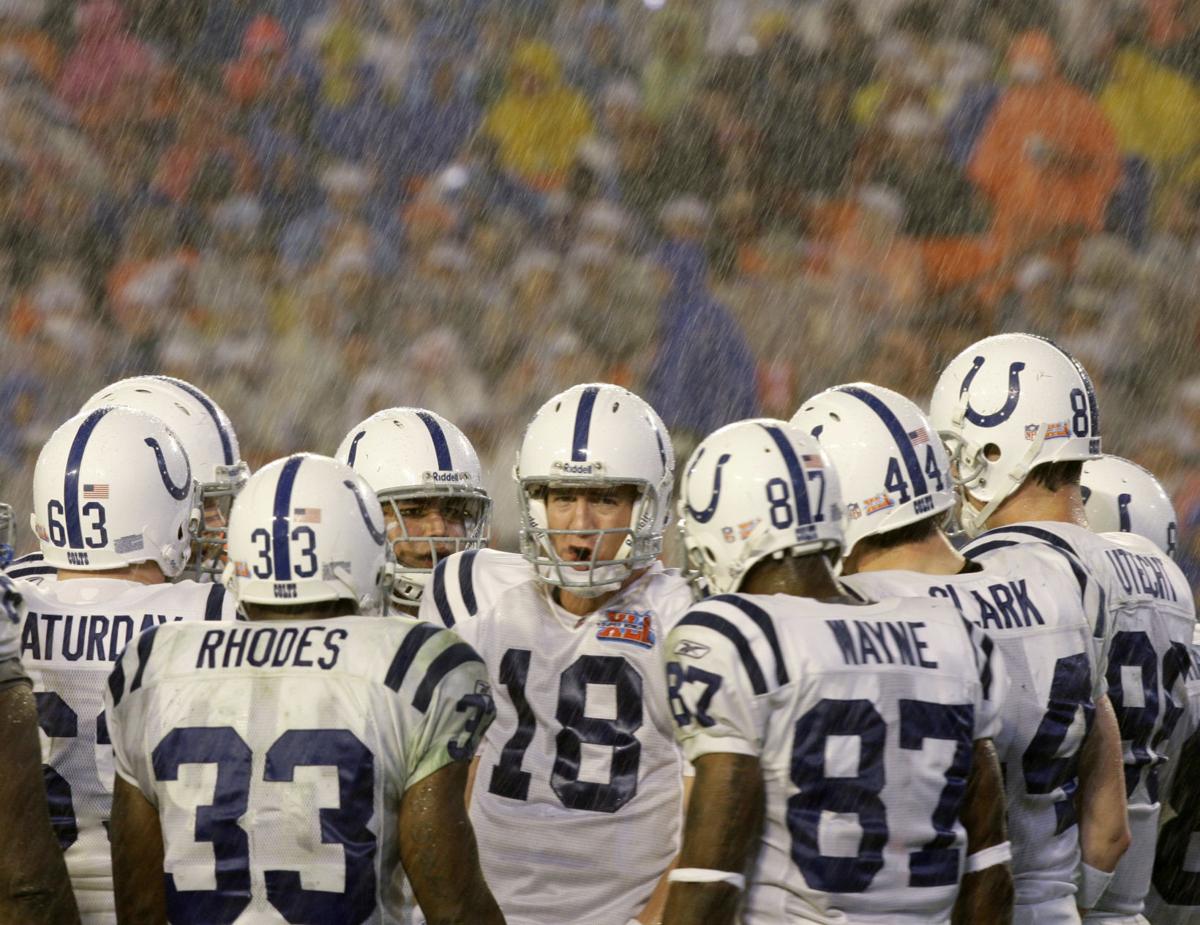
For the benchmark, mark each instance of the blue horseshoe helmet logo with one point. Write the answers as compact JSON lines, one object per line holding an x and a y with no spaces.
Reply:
{"x":379,"y":536}
{"x":704,"y":516}
{"x":178,"y":492}
{"x":1010,"y":405}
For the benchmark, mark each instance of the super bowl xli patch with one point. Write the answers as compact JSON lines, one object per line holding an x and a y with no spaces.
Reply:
{"x":632,"y":626}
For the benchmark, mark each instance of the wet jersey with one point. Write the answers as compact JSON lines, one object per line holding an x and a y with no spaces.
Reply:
{"x":11,"y":613}
{"x":30,"y":566}
{"x":1151,"y":621}
{"x":1175,"y":888}
{"x":863,"y":720}
{"x":577,"y":797}
{"x":1042,"y":609}
{"x":72,"y":635}
{"x":277,"y":754}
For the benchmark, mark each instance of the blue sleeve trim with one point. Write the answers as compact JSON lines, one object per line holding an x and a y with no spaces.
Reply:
{"x":458,"y":654}
{"x":145,"y":645}
{"x":763,"y":621}
{"x":720,"y":625}
{"x":407,"y":652}
{"x":466,"y":581}
{"x":440,"y":597}
{"x":215,"y":605}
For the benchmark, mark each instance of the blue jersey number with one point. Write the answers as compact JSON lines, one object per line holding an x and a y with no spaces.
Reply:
{"x":1045,"y":772}
{"x":935,"y":864}
{"x":217,"y":823}
{"x":578,"y":729}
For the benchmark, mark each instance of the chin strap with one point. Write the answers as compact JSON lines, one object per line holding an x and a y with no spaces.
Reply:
{"x":974,"y":519}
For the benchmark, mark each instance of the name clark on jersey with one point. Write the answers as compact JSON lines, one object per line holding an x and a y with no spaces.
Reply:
{"x":263,"y":646}
{"x":92,"y":637}
{"x":1010,"y":607}
{"x":880,"y":642}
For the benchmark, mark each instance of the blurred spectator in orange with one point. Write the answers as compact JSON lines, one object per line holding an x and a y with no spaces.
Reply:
{"x":21,"y":34}
{"x":539,"y":122}
{"x":203,"y":139}
{"x":1048,"y":157}
{"x":252,"y":75}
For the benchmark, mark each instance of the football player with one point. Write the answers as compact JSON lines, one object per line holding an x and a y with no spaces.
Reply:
{"x":427,"y":477}
{"x":113,"y":498}
{"x":579,"y":787}
{"x":1122,"y":497}
{"x":1035,"y":601}
{"x":859,"y":733}
{"x":209,"y":440}
{"x":34,"y":887}
{"x":1020,"y":417}
{"x":281,"y":769}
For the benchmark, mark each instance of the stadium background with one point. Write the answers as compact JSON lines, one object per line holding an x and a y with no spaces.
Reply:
{"x":314,"y":209}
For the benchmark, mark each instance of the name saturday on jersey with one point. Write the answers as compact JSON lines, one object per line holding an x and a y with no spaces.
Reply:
{"x":880,"y":642}
{"x":1010,"y":606}
{"x":92,"y":637}
{"x":269,"y":646}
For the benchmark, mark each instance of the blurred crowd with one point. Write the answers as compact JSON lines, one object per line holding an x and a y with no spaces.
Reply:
{"x":318,"y":208}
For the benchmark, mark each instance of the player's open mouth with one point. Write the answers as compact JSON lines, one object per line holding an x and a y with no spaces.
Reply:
{"x":580,"y":554}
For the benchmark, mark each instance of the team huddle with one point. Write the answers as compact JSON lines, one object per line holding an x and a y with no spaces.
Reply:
{"x":920,"y":668}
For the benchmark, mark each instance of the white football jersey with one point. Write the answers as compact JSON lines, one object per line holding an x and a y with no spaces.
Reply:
{"x":277,"y":754}
{"x":577,"y":799}
{"x":30,"y":566}
{"x":10,"y":634}
{"x":1042,"y":609}
{"x":1175,"y":889}
{"x":73,"y":632}
{"x":862,"y":719}
{"x":1151,"y":620}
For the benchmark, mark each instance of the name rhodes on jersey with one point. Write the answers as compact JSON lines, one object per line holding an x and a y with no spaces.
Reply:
{"x":268,"y":646}
{"x":88,"y":637}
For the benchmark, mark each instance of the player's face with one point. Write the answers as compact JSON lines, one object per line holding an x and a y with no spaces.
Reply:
{"x":412,"y":518}
{"x":584,"y":509}
{"x":214,"y":520}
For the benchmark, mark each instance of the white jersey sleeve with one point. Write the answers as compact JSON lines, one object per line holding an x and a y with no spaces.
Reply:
{"x":467,"y":583}
{"x":30,"y":567}
{"x":251,"y":737}
{"x":849,"y":710}
{"x":12,"y":613}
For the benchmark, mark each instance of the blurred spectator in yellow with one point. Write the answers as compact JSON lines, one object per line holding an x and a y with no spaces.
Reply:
{"x":539,"y":122}
{"x":673,"y":69}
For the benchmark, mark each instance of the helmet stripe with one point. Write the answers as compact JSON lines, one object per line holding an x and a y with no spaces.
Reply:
{"x":583,"y":424}
{"x":916,"y":475}
{"x":353,"y":454}
{"x":282,"y":519}
{"x":206,"y":402}
{"x":795,"y":472}
{"x":440,"y":447}
{"x":71,"y":483}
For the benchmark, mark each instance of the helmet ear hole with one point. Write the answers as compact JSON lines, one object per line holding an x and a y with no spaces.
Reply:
{"x":992,"y":452}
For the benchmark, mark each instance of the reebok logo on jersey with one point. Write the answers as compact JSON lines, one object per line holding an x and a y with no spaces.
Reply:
{"x":689,"y":649}
{"x":632,"y":626}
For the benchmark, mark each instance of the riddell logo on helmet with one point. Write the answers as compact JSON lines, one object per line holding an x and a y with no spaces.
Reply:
{"x":446,"y":476}
{"x":574,"y":468}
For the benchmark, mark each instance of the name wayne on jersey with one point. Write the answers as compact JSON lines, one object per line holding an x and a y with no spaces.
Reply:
{"x":848,"y":709}
{"x":296,"y":740}
{"x":581,"y":760}
{"x":72,"y":634}
{"x":1047,"y":617}
{"x":1150,"y":622}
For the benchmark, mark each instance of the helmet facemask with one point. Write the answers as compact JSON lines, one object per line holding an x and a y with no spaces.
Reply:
{"x":640,"y":546}
{"x":209,"y":531}
{"x":469,"y":506}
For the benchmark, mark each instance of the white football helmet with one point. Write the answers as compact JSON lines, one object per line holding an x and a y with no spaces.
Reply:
{"x":8,"y":534}
{"x":113,"y":487}
{"x":408,"y":454}
{"x":1005,"y":405}
{"x":1121,"y":496}
{"x":307,"y":529}
{"x":211,"y":444}
{"x":891,"y":465}
{"x":594,"y":436}
{"x":754,"y":489}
